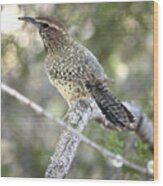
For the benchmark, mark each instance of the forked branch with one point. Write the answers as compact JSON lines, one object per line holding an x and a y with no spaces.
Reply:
{"x":70,"y":139}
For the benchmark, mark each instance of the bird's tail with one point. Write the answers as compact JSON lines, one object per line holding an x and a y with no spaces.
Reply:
{"x":111,"y":107}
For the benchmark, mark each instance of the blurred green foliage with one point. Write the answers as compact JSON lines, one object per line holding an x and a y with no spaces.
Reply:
{"x":121,"y":36}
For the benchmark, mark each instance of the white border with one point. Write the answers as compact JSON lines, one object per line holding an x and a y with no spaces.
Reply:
{"x":62,"y":1}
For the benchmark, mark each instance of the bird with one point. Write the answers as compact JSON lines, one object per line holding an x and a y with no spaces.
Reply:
{"x":76,"y":72}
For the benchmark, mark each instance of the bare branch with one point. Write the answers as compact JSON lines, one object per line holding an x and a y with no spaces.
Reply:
{"x":145,"y":127}
{"x":69,"y":140}
{"x":66,"y":148}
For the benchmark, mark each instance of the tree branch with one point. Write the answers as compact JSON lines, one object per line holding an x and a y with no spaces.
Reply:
{"x":68,"y":143}
{"x":145,"y":127}
{"x":70,"y":138}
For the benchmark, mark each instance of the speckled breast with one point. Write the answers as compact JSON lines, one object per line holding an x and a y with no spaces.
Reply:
{"x":71,"y":91}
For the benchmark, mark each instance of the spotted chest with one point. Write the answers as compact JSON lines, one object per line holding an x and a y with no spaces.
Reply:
{"x":68,"y":75}
{"x":71,"y":91}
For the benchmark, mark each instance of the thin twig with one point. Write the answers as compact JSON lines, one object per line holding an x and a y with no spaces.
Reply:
{"x":37,"y":108}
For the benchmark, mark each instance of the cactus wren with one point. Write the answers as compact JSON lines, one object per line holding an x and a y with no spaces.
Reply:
{"x":76,"y":72}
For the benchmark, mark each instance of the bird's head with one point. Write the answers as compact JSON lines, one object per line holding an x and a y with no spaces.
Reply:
{"x":50,"y":29}
{"x":45,"y":24}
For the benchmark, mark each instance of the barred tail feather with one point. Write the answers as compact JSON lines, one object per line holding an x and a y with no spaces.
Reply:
{"x":111,"y":107}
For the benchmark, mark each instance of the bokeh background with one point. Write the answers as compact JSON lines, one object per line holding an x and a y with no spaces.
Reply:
{"x":121,"y":36}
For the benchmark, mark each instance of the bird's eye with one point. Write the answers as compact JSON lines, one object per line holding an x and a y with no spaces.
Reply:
{"x":44,"y":25}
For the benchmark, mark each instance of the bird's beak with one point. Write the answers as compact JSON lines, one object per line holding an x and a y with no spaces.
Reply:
{"x":28,"y":19}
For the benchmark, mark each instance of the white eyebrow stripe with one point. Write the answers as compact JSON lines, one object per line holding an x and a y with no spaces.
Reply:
{"x":42,"y":21}
{"x":51,"y":25}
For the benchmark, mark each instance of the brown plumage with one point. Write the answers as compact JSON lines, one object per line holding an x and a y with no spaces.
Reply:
{"x":76,"y":72}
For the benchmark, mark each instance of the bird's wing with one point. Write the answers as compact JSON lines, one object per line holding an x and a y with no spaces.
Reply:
{"x":94,"y":69}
